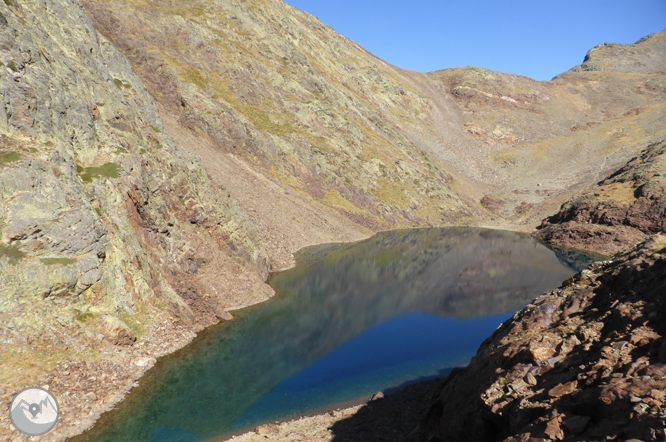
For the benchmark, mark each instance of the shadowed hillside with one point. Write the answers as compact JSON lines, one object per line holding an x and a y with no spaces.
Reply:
{"x":584,"y":362}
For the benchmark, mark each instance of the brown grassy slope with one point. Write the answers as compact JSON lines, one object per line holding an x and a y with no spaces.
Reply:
{"x":306,"y":107}
{"x":315,"y":113}
{"x":542,"y":142}
{"x":285,"y":220}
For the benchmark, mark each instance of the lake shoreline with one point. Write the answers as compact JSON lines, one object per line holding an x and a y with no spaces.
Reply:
{"x":142,"y":361}
{"x":371,"y":417}
{"x":336,"y":412}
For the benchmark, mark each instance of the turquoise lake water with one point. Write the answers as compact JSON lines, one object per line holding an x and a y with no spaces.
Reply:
{"x":348,"y":321}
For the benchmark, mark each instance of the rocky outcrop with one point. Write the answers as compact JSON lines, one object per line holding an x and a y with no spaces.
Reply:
{"x":646,"y":56}
{"x":584,"y":362}
{"x":619,"y":211}
{"x":98,"y":207}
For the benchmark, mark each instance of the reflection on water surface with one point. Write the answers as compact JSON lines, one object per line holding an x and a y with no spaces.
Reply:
{"x":348,"y":321}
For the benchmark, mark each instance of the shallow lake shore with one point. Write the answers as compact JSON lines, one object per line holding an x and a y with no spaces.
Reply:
{"x":375,"y":419}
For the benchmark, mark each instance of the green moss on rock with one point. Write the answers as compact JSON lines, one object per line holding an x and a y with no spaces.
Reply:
{"x":9,"y":157}
{"x":108,"y":170}
{"x":83,"y":317}
{"x":13,"y":253}
{"x":60,"y":261}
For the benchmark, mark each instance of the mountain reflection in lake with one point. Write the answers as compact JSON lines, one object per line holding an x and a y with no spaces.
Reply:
{"x":349,"y":320}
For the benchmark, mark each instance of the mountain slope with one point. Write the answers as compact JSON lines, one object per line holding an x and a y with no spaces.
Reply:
{"x":308,"y":108}
{"x":121,"y":122}
{"x":313,"y":112}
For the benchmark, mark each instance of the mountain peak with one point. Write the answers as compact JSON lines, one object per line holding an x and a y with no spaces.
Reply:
{"x":646,"y":56}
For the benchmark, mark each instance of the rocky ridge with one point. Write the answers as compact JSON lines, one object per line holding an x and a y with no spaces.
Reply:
{"x":626,"y":58}
{"x":585,"y":362}
{"x":101,"y":217}
{"x":618,"y":212}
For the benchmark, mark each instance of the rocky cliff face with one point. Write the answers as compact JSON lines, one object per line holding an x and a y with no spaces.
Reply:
{"x":103,"y":218}
{"x":585,"y":362}
{"x":619,"y":211}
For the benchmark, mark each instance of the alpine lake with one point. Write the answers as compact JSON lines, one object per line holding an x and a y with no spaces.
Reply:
{"x":348,"y":321}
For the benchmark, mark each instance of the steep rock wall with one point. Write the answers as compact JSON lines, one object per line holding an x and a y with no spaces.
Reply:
{"x":103,"y":218}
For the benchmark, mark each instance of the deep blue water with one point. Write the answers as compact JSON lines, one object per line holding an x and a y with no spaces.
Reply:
{"x":349,"y":321}
{"x":392,"y":353}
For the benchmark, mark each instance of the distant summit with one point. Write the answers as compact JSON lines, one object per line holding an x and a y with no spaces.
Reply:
{"x":646,"y":56}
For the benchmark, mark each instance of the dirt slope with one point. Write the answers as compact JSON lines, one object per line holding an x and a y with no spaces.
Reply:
{"x":286,"y":220}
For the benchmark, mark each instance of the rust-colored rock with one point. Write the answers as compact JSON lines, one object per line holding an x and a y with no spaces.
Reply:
{"x":562,"y":389}
{"x":657,"y":394}
{"x":553,"y":430}
{"x":588,"y":362}
{"x":116,"y":331}
{"x":621,"y":210}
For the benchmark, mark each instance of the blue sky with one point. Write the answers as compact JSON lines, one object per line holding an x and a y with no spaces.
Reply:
{"x":538,"y":39}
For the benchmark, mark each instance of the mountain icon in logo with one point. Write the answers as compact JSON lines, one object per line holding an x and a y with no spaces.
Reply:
{"x":34,"y":411}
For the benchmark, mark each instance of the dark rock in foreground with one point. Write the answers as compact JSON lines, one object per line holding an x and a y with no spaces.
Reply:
{"x":584,"y":362}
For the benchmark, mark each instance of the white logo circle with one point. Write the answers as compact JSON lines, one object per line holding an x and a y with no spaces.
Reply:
{"x":34,"y":411}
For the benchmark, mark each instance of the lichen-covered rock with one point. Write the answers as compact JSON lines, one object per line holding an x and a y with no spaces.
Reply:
{"x":116,"y":331}
{"x":95,"y":201}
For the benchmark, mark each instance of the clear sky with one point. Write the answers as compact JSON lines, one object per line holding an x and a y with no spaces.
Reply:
{"x":536,"y":38}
